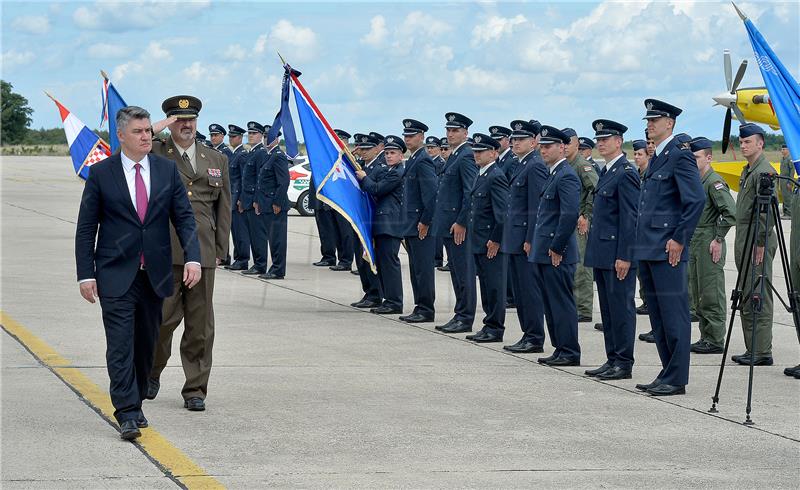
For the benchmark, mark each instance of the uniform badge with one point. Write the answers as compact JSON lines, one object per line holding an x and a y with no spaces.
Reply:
{"x":214,"y":172}
{"x":649,"y":106}
{"x":183,"y":103}
{"x":598,"y":126}
{"x":718,"y":185}
{"x":478,"y":139}
{"x":518,"y":126}
{"x":407,"y":124}
{"x":451,"y":117}
{"x":587,"y":168}
{"x":169,"y":150}
{"x":544,"y":132}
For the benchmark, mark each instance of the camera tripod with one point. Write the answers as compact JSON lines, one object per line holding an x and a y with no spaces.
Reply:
{"x":766,"y":206}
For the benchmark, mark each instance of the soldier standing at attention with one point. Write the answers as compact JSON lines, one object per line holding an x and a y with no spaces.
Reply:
{"x":241,"y":238}
{"x":255,"y":225}
{"x":272,"y":204}
{"x":707,"y":252}
{"x":444,"y":154}
{"x":751,"y":141}
{"x":217,"y":135}
{"x":505,"y":161}
{"x":585,"y":148}
{"x":641,"y":159}
{"x":787,"y":188}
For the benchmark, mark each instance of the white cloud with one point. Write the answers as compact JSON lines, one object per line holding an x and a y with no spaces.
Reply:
{"x":121,"y":71}
{"x":116,"y":16}
{"x":544,"y":54}
{"x":705,"y":55}
{"x":157,"y":52}
{"x":200,"y":71}
{"x":32,"y":24}
{"x":377,"y":32}
{"x":107,"y":50}
{"x":295,"y":43}
{"x":234,"y":52}
{"x":153,"y":57}
{"x":440,"y":55}
{"x":12,"y":58}
{"x":472,"y":77}
{"x":495,"y":28}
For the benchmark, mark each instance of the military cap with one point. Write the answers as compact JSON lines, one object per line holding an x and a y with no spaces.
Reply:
{"x":235,"y":130}
{"x":551,"y":135}
{"x":483,"y":142}
{"x":393,"y":142}
{"x":199,"y":136}
{"x":750,"y":129}
{"x":255,"y":127}
{"x":470,"y":141}
{"x":524,"y":129}
{"x":700,"y":143}
{"x":570,"y":132}
{"x":656,"y":108}
{"x":216,"y":128}
{"x":182,"y":106}
{"x":267,"y":127}
{"x":585,"y":143}
{"x":639,"y":145}
{"x":433,"y":141}
{"x":365,"y":141}
{"x":377,"y":136}
{"x":499,"y":132}
{"x":456,"y":120}
{"x":603,"y":128}
{"x":537,"y":125}
{"x":445,"y":145}
{"x":683,"y":138}
{"x":412,"y":127}
{"x":784,"y":146}
{"x":342,"y":134}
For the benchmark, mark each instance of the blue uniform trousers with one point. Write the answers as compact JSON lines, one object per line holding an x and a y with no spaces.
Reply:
{"x":257,"y":231}
{"x":493,"y":283}
{"x":559,"y":309}
{"x":390,"y":276}
{"x":326,"y":226}
{"x":241,"y":237}
{"x":462,"y":275}
{"x":369,"y":281}
{"x":618,"y":314}
{"x":420,"y":264}
{"x":276,"y":225}
{"x":529,"y":298}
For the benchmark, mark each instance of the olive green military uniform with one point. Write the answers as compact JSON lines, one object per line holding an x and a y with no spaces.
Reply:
{"x":787,"y":170}
{"x":583,"y":289}
{"x":748,"y":189}
{"x":707,"y":279}
{"x":209,"y":190}
{"x":794,"y":243}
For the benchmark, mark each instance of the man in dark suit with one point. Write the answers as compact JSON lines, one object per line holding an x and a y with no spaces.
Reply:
{"x":385,"y":184}
{"x":671,"y":203}
{"x":526,"y":183}
{"x":450,"y":221}
{"x":128,"y":203}
{"x":486,"y":215}
{"x":419,"y":199}
{"x":555,"y":249}
{"x":272,"y":205}
{"x":609,"y":250}
{"x":241,"y":237}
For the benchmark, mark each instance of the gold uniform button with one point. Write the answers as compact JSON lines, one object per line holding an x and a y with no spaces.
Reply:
{"x":190,"y":183}
{"x":190,"y":193}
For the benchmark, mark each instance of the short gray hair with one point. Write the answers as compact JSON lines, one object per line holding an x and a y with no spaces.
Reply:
{"x":130,"y":112}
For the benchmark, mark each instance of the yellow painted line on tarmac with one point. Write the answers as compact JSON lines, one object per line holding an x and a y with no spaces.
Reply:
{"x":175,"y":464}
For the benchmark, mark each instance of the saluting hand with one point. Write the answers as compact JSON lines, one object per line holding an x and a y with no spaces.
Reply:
{"x":191,"y":275}
{"x":491,"y":249}
{"x":622,"y":267}
{"x":459,"y":233}
{"x":159,"y":126}
{"x":555,"y":258}
{"x":715,"y":249}
{"x":674,"y":249}
{"x":89,"y":290}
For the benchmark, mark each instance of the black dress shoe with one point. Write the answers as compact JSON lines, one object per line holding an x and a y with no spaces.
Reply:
{"x":354,"y":272}
{"x":703,"y":347}
{"x":416,"y":318}
{"x":385,"y":310}
{"x":645,"y":387}
{"x":269,"y":276}
{"x":153,"y":386}
{"x":667,"y":390}
{"x":457,"y":327}
{"x":253,"y":271}
{"x":792,"y":371}
{"x":194,"y":404}
{"x":584,"y":318}
{"x":442,"y":327}
{"x":511,"y":305}
{"x":693,"y":317}
{"x":598,"y":326}
{"x":747,"y":358}
{"x":642,"y":310}
{"x":594,"y":372}
{"x":237,"y":266}
{"x":479,"y":334}
{"x":648,"y":337}
{"x":546,"y":360}
{"x":524,"y":347}
{"x":444,"y":268}
{"x":487,"y":338}
{"x":323,"y":263}
{"x":615,"y":372}
{"x":339,"y":267}
{"x":129,"y":431}
{"x":225,"y":262}
{"x":141,"y":422}
{"x":365,"y":303}
{"x":563,"y":361}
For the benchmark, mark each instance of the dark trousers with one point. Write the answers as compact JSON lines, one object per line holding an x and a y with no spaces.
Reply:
{"x":257,"y":231}
{"x":510,"y":297}
{"x":493,"y":282}
{"x":387,"y":261}
{"x":241,"y":237}
{"x":276,"y":226}
{"x":131,"y":323}
{"x":344,"y":239}
{"x":326,"y":227}
{"x":618,"y":314}
{"x":421,"y":269}
{"x":369,"y":281}
{"x":529,"y":298}
{"x":559,"y":309}
{"x":439,"y":256}
{"x":665,"y":288}
{"x":462,"y":275}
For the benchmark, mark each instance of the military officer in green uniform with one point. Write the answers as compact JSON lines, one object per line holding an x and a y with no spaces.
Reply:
{"x":707,"y":252}
{"x":787,"y":170}
{"x":583,"y":289}
{"x":751,"y":140}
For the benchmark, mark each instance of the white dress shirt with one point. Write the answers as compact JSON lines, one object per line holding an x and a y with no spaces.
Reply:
{"x":128,"y":166}
{"x":482,"y":170}
{"x":555,"y":165}
{"x":611,"y":162}
{"x":662,"y":145}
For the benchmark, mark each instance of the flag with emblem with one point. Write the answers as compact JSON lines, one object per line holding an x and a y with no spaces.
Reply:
{"x":333,"y":168}
{"x":112,"y":103}
{"x":85,"y":147}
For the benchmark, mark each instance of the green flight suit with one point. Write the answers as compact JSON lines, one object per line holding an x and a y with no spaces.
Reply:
{"x":787,"y":170}
{"x":745,"y":201}
{"x":584,"y":279}
{"x":794,"y":244}
{"x":707,"y":279}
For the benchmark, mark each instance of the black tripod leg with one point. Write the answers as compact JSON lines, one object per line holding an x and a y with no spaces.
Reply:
{"x":787,"y":273}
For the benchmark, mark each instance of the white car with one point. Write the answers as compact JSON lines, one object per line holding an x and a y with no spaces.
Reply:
{"x":299,"y":182}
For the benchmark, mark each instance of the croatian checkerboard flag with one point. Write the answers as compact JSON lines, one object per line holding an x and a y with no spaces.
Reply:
{"x":85,"y":147}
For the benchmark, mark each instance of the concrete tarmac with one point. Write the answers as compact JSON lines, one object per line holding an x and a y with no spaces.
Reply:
{"x":309,"y":392}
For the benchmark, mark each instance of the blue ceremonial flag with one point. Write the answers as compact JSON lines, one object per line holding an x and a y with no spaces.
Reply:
{"x":112,"y":103}
{"x":284,"y":120}
{"x":784,"y":93}
{"x":332,"y":168}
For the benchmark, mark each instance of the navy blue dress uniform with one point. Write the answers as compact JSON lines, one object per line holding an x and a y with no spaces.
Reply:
{"x":452,"y":206}
{"x":385,"y":184}
{"x":612,"y":235}
{"x":525,"y":188}
{"x":487,"y":213}
{"x":271,"y":190}
{"x":585,"y":143}
{"x":671,"y":203}
{"x":256,"y":227}
{"x":438,"y":161}
{"x":555,"y":230}
{"x":222,"y":147}
{"x":419,"y":199}
{"x":505,"y":157}
{"x":241,"y":237}
{"x":373,"y":296}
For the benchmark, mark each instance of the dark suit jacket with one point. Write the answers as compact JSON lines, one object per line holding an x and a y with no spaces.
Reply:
{"x":616,"y":206}
{"x":256,"y":157}
{"x":557,"y":217}
{"x":455,"y":185}
{"x":273,"y":182}
{"x":419,"y":191}
{"x":505,"y":163}
{"x":487,"y":209}
{"x":525,"y":187}
{"x":385,"y":184}
{"x":107,"y":213}
{"x":235,"y":167}
{"x":671,"y":203}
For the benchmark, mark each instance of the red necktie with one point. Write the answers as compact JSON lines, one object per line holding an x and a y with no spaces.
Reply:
{"x":141,"y":200}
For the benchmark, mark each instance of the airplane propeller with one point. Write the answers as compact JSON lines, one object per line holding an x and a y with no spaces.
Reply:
{"x":728,"y":99}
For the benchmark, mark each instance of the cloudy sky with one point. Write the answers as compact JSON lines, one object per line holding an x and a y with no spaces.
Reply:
{"x":368,"y":65}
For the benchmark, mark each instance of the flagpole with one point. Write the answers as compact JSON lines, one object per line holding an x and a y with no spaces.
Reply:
{"x":104,"y":75}
{"x":741,"y":14}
